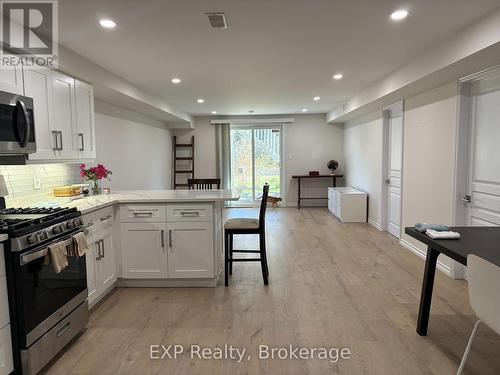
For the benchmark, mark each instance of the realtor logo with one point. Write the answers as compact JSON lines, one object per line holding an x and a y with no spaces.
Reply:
{"x":29,"y":34}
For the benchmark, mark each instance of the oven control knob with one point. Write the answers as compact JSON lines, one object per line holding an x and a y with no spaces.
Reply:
{"x":43,"y":235}
{"x":34,"y":238}
{"x":70,"y":225}
{"x":79,"y":222}
{"x":57,"y":229}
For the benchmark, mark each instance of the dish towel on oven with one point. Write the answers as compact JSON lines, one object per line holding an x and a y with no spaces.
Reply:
{"x":448,"y":235}
{"x":80,"y":243}
{"x":58,"y":256}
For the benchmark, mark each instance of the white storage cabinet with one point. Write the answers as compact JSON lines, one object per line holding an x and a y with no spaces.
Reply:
{"x":348,"y":204}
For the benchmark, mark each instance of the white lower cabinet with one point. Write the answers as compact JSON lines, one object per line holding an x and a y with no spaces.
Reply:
{"x":101,"y":265}
{"x":191,"y":251}
{"x":6,"y":361}
{"x":144,"y":250}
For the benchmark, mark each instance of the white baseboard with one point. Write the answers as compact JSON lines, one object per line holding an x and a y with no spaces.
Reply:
{"x":422,"y":254}
{"x":373,"y":223}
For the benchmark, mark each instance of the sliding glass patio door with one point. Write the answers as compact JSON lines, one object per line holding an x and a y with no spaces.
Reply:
{"x":255,"y":160}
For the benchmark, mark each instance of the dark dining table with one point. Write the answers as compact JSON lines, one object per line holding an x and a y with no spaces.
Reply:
{"x":481,"y":241}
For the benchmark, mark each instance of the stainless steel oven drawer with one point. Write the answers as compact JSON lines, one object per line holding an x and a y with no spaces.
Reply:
{"x":41,"y":352}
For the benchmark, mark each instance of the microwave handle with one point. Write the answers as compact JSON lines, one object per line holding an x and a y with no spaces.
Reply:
{"x":20,"y":106}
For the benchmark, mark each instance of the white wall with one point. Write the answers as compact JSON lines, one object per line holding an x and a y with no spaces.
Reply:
{"x":309,"y":144}
{"x":137,"y":149}
{"x":429,"y":159}
{"x":430,"y":121}
{"x":363,"y":140}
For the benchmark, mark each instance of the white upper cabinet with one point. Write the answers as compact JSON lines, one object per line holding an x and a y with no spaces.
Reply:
{"x":63,"y":88}
{"x":38,"y":85}
{"x":84,"y":99}
{"x":11,"y":80}
{"x":64,"y":115}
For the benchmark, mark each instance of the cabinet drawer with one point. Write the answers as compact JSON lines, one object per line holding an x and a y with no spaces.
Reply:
{"x":189,"y":212}
{"x":4,"y":302}
{"x":98,"y":220}
{"x":6,"y":362}
{"x":2,"y":261}
{"x":139,"y":213}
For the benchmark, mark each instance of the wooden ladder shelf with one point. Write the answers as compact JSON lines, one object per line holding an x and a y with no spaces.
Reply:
{"x":190,"y":171}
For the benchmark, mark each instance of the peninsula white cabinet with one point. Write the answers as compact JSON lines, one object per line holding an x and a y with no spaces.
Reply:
{"x":191,"y":250}
{"x":349,"y":205}
{"x":11,"y":80}
{"x":64,"y":115}
{"x":144,"y":250}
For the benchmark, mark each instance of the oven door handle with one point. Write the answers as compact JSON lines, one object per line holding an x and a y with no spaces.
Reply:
{"x":27,"y":258}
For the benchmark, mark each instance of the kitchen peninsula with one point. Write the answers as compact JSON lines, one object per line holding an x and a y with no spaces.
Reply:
{"x":153,"y":238}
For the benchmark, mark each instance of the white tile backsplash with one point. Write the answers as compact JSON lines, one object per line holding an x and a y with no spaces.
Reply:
{"x":20,"y":180}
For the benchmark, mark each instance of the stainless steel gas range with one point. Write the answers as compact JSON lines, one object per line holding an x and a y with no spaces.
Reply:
{"x":47,"y":309}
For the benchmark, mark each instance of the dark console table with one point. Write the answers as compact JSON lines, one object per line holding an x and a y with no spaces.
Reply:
{"x":307,"y":177}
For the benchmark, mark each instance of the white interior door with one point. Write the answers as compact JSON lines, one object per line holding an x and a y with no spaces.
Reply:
{"x":394,"y":170}
{"x":484,"y":176}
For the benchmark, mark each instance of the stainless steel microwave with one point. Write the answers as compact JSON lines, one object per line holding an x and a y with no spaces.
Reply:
{"x":17,"y":125}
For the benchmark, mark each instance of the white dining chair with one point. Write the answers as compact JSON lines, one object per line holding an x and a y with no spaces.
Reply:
{"x":484,"y":297}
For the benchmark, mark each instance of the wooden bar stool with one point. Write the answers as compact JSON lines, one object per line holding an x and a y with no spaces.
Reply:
{"x":203,"y":183}
{"x":247,"y":226}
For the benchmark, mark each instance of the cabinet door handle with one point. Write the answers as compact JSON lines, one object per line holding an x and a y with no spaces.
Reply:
{"x":56,"y":140}
{"x":102,"y":242}
{"x":80,"y":135}
{"x":170,"y":238}
{"x":162,"y":234}
{"x":106,"y":218}
{"x":98,"y":244}
{"x":60,"y":140}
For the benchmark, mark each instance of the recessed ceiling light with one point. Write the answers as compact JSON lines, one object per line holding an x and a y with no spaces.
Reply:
{"x":316,"y":98}
{"x":200,"y":100}
{"x":214,"y":112}
{"x":399,"y":14}
{"x":107,"y":23}
{"x":251,"y":111}
{"x":176,"y":80}
{"x":304,"y":109}
{"x":338,"y":76}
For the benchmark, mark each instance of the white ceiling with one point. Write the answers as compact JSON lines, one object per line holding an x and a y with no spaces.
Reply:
{"x":276,"y":55}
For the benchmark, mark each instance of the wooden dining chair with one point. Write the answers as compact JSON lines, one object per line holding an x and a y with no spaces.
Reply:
{"x":247,"y":226}
{"x":203,"y":183}
{"x":484,"y":297}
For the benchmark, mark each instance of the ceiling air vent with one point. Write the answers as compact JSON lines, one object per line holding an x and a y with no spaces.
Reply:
{"x":217,"y":20}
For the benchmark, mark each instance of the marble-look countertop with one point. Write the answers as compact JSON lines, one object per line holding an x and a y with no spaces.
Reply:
{"x":95,"y":202}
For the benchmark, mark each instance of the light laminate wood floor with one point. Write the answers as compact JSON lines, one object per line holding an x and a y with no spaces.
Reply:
{"x":331,"y":285}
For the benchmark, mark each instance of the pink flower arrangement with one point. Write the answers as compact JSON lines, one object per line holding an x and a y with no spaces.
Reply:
{"x":94,"y":173}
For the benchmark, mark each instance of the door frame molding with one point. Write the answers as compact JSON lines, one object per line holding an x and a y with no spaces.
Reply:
{"x":398,"y":109}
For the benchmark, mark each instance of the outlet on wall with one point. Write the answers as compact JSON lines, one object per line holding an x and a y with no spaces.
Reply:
{"x":37,"y":182}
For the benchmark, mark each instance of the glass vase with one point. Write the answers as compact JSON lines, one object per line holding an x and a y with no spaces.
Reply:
{"x":96,"y":188}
